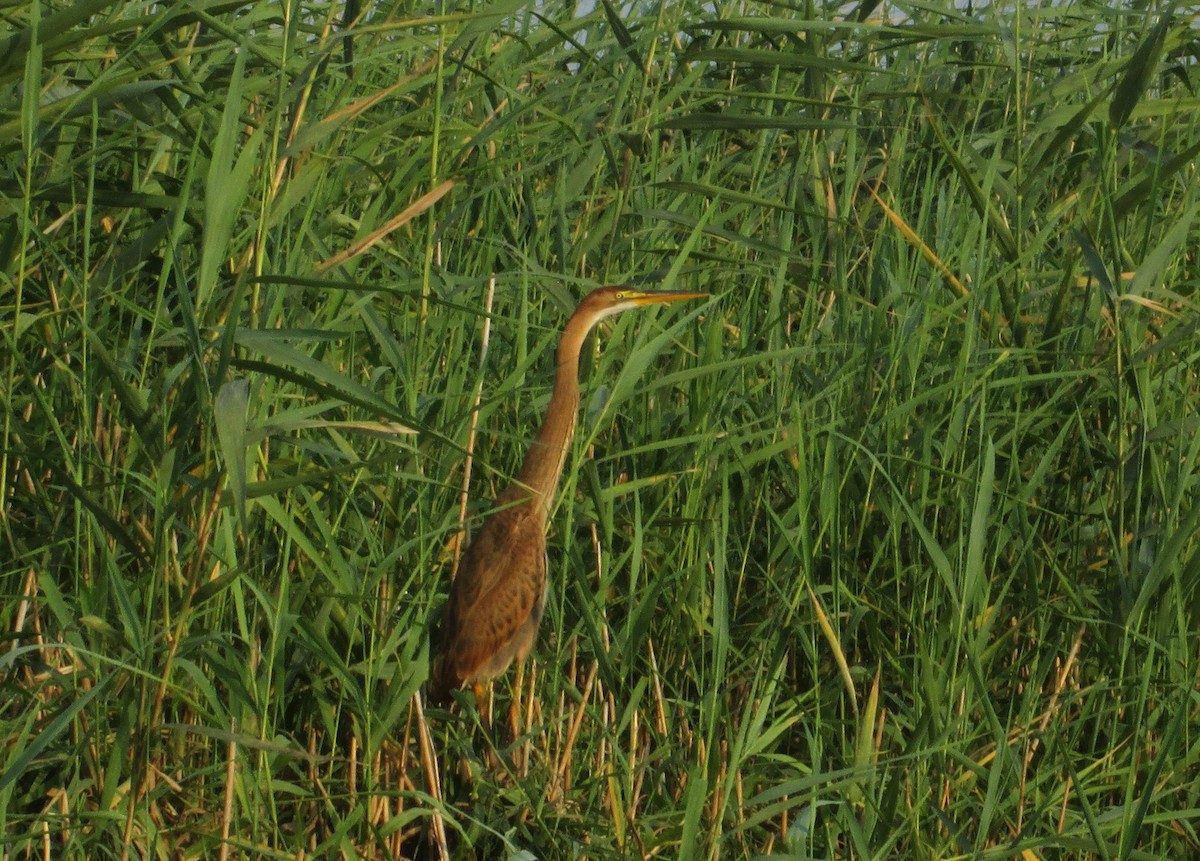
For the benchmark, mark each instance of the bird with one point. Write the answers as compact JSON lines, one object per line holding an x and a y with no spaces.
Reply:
{"x":497,"y":597}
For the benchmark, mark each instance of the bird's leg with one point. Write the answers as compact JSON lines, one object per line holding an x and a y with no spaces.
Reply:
{"x":515,"y":715}
{"x":483,"y":703}
{"x":514,"y":704}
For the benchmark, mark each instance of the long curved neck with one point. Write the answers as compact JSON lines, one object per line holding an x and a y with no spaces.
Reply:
{"x":544,"y":462}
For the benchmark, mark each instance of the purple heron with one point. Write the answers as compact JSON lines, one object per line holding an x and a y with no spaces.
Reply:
{"x":497,"y":597}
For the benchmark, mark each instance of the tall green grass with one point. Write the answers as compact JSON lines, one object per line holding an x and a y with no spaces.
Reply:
{"x":888,"y":550}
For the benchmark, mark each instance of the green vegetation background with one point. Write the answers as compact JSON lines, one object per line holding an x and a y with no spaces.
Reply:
{"x":887,"y":550}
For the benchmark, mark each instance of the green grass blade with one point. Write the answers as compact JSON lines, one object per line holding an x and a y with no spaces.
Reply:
{"x":230,"y":409}
{"x":1140,"y":71}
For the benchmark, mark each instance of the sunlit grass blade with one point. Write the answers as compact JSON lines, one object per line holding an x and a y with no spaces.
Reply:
{"x":226,"y":184}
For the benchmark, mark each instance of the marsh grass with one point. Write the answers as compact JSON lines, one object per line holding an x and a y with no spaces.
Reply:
{"x":888,"y":550}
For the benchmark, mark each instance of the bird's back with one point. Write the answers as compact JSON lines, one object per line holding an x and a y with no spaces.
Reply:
{"x":497,"y":597}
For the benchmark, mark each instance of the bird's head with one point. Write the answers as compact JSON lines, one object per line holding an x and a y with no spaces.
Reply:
{"x":606,"y":301}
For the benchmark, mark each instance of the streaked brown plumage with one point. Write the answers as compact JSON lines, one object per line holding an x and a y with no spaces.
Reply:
{"x":497,"y":597}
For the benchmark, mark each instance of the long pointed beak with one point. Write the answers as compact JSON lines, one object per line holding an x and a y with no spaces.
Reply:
{"x":640,"y":298}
